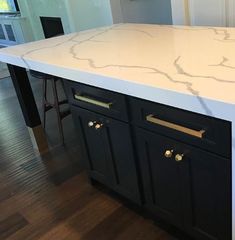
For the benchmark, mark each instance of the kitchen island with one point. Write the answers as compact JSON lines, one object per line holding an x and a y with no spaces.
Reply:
{"x":163,"y":69}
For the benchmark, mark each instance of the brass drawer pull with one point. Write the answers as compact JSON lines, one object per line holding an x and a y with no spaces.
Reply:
{"x":98,"y":126}
{"x":179,"y":157}
{"x":93,"y":101}
{"x":189,"y":131}
{"x":168,"y":153}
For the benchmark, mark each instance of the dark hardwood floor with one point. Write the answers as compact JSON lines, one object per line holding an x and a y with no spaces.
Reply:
{"x":49,"y":197}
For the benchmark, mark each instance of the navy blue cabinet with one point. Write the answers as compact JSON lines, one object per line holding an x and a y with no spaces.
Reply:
{"x":188,"y":187}
{"x":175,"y":163}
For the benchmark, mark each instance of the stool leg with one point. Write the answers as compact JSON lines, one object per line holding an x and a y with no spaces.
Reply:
{"x":57,"y":108}
{"x":44,"y":100}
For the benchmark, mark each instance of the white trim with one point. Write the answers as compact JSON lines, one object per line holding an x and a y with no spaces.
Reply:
{"x":221,"y":11}
{"x":230,"y":12}
{"x":178,"y":12}
{"x":224,"y":13}
{"x":187,"y":13}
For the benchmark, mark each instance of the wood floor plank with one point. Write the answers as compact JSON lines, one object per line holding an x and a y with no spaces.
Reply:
{"x":11,"y":225}
{"x":65,"y":174}
{"x":137,"y":230}
{"x":112,"y":226}
{"x":83,"y":221}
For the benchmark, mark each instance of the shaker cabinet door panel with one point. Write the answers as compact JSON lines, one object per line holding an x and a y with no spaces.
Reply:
{"x":208,"y":182}
{"x":161,"y":177}
{"x":192,"y":191}
{"x":95,"y":144}
{"x":109,"y":149}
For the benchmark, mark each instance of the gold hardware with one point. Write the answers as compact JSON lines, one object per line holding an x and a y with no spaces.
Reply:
{"x":93,"y":101}
{"x":168,"y":153}
{"x":179,"y":157}
{"x":98,"y":126}
{"x":189,"y":131}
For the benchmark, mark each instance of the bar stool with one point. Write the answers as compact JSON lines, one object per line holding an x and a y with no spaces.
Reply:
{"x":46,"y":105}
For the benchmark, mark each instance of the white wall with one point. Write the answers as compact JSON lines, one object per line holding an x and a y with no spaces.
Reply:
{"x":85,"y":14}
{"x":204,"y":12}
{"x":142,"y":11}
{"x":208,"y":12}
{"x":230,"y":12}
{"x":180,"y":12}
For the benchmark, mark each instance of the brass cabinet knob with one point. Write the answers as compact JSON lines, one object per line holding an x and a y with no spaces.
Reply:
{"x":168,"y":153}
{"x":179,"y":157}
{"x":90,"y":124}
{"x":98,"y":126}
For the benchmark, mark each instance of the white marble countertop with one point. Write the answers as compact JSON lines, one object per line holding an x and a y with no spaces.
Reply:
{"x":191,"y":65}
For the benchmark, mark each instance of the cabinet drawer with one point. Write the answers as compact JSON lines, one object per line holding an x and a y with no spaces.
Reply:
{"x":196,"y":129}
{"x":96,"y":99}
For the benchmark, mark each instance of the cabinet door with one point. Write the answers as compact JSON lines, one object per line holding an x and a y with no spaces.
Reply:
{"x":193,"y":193}
{"x":161,"y":177}
{"x":110,"y":158}
{"x":207,"y":184}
